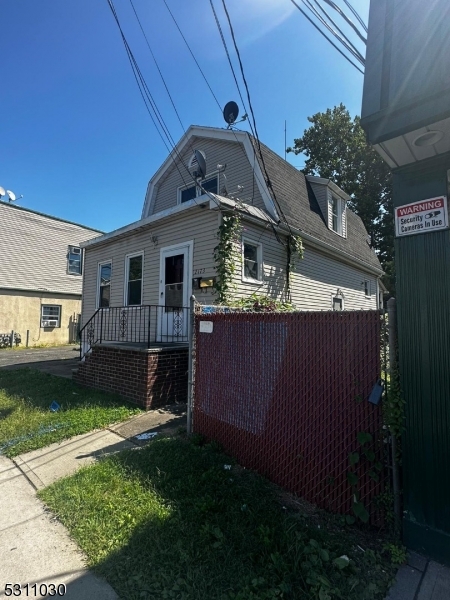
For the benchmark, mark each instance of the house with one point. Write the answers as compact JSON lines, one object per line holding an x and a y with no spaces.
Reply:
{"x":174,"y":241}
{"x":139,"y":278}
{"x":41,"y":270}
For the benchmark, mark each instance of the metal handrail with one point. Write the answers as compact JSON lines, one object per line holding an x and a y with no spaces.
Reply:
{"x":137,"y":324}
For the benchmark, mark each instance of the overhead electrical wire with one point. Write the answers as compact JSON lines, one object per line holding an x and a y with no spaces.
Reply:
{"x":339,"y":10}
{"x":347,"y":42}
{"x":157,"y":66}
{"x":357,"y":15}
{"x":147,"y":97}
{"x":224,"y":43}
{"x":341,"y":38}
{"x":211,"y":90}
{"x":325,"y":36}
{"x":193,"y":56}
{"x":263,"y":164}
{"x":151,"y":104}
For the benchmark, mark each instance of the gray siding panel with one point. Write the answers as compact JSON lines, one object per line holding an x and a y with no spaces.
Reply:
{"x":33,"y":250}
{"x":238,"y":171}
{"x":198,"y":225}
{"x":316,"y":280}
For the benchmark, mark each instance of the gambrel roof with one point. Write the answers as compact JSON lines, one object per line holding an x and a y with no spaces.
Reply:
{"x":287,"y":195}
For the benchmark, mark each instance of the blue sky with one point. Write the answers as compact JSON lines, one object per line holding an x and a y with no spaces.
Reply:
{"x":76,"y":139}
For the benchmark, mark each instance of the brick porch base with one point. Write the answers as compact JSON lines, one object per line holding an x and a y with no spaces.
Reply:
{"x":148,"y":377}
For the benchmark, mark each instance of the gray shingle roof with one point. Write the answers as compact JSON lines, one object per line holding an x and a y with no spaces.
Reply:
{"x":299,"y":205}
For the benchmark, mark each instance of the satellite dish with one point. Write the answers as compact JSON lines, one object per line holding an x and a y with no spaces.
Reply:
{"x":230,"y":112}
{"x":2,"y":191}
{"x":11,"y":195}
{"x":200,"y":167}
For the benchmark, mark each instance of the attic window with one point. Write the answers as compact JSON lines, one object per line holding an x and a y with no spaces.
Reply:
{"x":193,"y":191}
{"x":337,"y":215}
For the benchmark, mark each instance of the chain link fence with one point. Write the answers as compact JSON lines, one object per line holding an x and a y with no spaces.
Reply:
{"x":286,"y":394}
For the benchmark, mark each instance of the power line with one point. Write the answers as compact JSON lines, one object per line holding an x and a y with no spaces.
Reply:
{"x":342,"y":37}
{"x":222,"y":37}
{"x":157,"y":66}
{"x":346,"y":41}
{"x":192,"y":54}
{"x":347,"y":19}
{"x":268,"y":182}
{"x":325,"y":36}
{"x":356,"y":15}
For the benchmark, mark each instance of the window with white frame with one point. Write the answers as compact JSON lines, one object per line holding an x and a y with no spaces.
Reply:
{"x":337,"y":215}
{"x":251,"y":261}
{"x":133,"y":279}
{"x":74,"y":260}
{"x":367,"y":291}
{"x":211,"y":184}
{"x":50,"y":315}
{"x":104,"y":284}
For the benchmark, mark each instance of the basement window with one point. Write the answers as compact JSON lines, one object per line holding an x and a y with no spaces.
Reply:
{"x":50,"y":315}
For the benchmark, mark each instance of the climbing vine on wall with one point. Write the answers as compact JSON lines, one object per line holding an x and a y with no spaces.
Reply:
{"x":294,"y":253}
{"x":227,"y":255}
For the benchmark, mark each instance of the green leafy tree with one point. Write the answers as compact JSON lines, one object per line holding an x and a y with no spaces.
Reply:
{"x":336,"y":148}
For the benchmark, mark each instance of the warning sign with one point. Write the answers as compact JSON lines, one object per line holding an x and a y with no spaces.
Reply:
{"x":421,"y":217}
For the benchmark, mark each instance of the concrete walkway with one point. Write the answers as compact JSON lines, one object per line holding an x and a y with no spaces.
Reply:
{"x":421,"y":579}
{"x":34,"y":547}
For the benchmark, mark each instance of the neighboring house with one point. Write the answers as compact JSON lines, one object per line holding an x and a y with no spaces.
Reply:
{"x":169,"y":253}
{"x":41,"y":268}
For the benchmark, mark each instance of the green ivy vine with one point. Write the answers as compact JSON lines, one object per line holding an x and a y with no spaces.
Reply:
{"x":295,"y":252}
{"x":227,"y":255}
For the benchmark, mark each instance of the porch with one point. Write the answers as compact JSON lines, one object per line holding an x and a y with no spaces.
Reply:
{"x":138,"y":352}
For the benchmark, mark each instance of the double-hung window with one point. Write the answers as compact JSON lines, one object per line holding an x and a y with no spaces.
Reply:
{"x":50,"y":315}
{"x":74,"y":260}
{"x":104,"y":284}
{"x":251,"y":261}
{"x":337,"y":215}
{"x":193,"y":191}
{"x":133,"y":279}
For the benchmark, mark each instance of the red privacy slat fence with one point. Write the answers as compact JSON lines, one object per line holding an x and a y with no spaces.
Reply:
{"x":286,"y":394}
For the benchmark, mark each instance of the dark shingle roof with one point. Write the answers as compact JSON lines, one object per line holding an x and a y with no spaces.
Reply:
{"x":301,"y":210}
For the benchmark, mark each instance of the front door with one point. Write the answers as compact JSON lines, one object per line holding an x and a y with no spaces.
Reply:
{"x":174,"y":293}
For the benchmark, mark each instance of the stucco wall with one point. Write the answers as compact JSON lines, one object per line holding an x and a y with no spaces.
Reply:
{"x":21,"y":311}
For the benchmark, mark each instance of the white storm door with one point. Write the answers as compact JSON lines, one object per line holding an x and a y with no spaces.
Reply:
{"x":174,"y":293}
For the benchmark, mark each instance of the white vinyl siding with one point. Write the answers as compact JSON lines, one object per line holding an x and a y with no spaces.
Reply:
{"x":199,"y":225}
{"x":238,"y":172}
{"x":316,"y":279}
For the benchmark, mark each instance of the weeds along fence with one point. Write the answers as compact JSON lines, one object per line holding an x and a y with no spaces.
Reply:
{"x":286,"y":394}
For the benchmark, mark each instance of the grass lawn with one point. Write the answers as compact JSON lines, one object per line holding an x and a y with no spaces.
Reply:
{"x":173,"y":521}
{"x":26,"y":422}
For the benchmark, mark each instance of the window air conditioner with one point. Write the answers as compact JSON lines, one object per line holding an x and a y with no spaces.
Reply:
{"x":49,"y":323}
{"x":75,"y":250}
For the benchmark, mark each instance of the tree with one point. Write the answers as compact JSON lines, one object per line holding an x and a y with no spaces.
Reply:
{"x":336,"y":148}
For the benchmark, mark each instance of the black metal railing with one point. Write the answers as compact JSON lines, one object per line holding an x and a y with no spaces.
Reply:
{"x":145,"y":325}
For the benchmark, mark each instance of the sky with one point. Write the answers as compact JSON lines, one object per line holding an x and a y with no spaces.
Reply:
{"x":75,"y":136}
